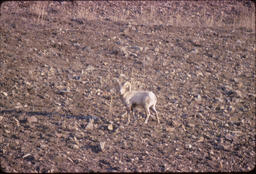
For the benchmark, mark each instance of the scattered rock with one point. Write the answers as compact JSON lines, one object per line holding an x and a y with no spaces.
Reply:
{"x":156,"y":49}
{"x":170,"y":129}
{"x":76,"y":77}
{"x":5,"y":93}
{"x":27,"y":155}
{"x":7,"y":131}
{"x":32,"y":119}
{"x":189,"y":146}
{"x":18,"y":105}
{"x":75,"y":146}
{"x":135,"y":48}
{"x":198,"y":98}
{"x":201,"y":139}
{"x":17,"y":121}
{"x":199,"y":73}
{"x":110,"y":127}
{"x":90,"y":125}
{"x":90,"y":68}
{"x":102,"y":146}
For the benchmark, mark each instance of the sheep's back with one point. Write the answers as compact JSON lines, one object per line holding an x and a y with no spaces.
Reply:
{"x":141,"y":97}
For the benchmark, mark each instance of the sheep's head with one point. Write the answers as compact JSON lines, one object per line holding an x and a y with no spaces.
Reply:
{"x":122,"y":87}
{"x":125,"y":87}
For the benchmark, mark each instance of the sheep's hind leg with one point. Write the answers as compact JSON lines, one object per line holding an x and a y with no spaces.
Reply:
{"x":148,"y":114}
{"x":154,"y":109}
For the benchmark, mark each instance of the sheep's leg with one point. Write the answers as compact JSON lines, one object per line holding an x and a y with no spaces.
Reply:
{"x":128,"y":121}
{"x":133,"y":111}
{"x":154,"y":109}
{"x":148,"y":114}
{"x":130,"y":111}
{"x":128,"y":114}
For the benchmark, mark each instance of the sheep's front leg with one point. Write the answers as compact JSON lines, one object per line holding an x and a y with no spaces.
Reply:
{"x":128,"y":114}
{"x":128,"y":121}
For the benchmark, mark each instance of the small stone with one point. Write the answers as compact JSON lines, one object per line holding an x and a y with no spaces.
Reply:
{"x":90,"y":68}
{"x":136,"y":48}
{"x":134,"y":55}
{"x":189,"y":146}
{"x":58,"y":135}
{"x":7,"y":131}
{"x":239,"y":93}
{"x":18,"y":105}
{"x":195,"y":51}
{"x":32,"y":119}
{"x":76,"y":77}
{"x":199,"y":73}
{"x":170,"y":129}
{"x":191,"y":124}
{"x":176,"y":123}
{"x":17,"y":122}
{"x":156,"y":49}
{"x":122,"y":76}
{"x":229,"y":137}
{"x":5,"y":94}
{"x":75,"y":146}
{"x":102,"y":146}
{"x":98,"y":92}
{"x":90,"y":124}
{"x":110,"y":127}
{"x":234,"y":119}
{"x":198,"y":98}
{"x":26,"y":155}
{"x":201,"y":139}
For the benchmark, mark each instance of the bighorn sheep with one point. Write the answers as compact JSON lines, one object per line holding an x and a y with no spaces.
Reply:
{"x":132,"y":99}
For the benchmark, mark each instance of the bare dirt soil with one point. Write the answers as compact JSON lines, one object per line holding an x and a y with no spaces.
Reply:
{"x":59,"y":110}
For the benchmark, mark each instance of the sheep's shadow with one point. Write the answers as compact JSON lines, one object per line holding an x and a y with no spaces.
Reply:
{"x":49,"y":114}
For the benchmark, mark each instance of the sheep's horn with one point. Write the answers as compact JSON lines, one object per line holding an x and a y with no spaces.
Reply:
{"x":127,"y":83}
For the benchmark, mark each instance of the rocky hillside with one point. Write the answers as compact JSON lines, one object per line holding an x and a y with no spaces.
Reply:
{"x":59,"y":108}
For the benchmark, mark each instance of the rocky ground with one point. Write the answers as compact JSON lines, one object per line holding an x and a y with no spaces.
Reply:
{"x":59,"y":110}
